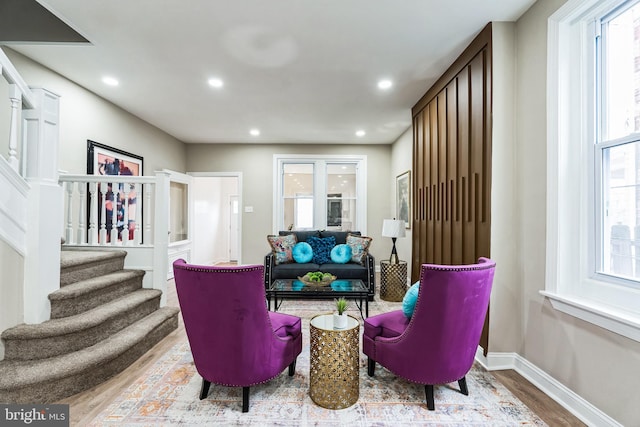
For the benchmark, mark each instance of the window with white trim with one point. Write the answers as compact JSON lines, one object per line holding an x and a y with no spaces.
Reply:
{"x":593,"y":146}
{"x":320,"y":192}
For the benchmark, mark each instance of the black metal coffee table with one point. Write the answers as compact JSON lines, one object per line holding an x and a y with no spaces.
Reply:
{"x":293,"y":288}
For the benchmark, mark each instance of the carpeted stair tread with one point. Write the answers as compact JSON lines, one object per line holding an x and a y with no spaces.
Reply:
{"x":75,"y":258}
{"x":80,"y":265}
{"x":86,"y":320}
{"x":88,"y":286}
{"x":60,"y":336}
{"x":20,"y":374}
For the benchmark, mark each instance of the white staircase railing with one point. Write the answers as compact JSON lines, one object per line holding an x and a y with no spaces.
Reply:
{"x":120,"y":213}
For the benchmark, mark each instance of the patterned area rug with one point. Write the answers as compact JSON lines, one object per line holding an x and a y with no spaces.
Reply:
{"x":167,"y":394}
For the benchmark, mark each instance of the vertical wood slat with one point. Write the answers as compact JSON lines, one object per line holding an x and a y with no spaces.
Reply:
{"x":452,"y":164}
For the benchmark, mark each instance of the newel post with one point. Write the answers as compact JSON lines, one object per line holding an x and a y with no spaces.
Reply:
{"x":45,"y":205}
{"x":161,"y":235}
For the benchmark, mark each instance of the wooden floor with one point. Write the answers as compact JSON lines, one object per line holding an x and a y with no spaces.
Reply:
{"x":85,"y":406}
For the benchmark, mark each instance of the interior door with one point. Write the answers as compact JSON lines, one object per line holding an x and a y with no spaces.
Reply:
{"x":180,"y":219}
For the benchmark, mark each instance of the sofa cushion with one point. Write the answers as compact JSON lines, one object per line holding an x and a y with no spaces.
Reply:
{"x":321,"y":249}
{"x":341,"y":254}
{"x":349,"y":270}
{"x":302,"y":235}
{"x":293,"y":270}
{"x":282,"y":247}
{"x":359,"y":247}
{"x":302,"y":252}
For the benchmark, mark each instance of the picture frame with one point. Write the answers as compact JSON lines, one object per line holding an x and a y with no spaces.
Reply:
{"x":403,"y":198}
{"x":105,"y":160}
{"x":334,"y":210}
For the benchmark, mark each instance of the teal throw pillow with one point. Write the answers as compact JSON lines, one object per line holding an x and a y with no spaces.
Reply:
{"x":321,"y":249}
{"x":409,"y":300}
{"x":302,"y":252}
{"x":341,"y":254}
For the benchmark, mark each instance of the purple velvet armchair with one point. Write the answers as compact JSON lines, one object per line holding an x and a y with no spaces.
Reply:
{"x":234,"y":340}
{"x":438,"y":344}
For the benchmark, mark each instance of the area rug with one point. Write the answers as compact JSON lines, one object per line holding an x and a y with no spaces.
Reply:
{"x":167,"y":394}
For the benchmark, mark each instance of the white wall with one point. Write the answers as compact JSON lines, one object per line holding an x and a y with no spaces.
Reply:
{"x":600,"y":366}
{"x":211,"y":218}
{"x":11,"y":295}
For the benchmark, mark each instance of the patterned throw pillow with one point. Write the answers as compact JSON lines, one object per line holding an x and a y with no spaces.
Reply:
{"x":409,"y":300}
{"x":321,"y":249}
{"x":282,"y":247}
{"x":359,"y":247}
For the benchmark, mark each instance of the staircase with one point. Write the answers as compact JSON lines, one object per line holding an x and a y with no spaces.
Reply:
{"x":102,"y":320}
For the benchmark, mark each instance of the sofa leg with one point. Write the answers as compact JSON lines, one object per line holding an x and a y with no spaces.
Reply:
{"x":292,"y":368}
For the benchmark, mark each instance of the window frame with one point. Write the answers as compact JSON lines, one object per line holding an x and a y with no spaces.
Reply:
{"x":320,"y":187}
{"x":572,"y":101}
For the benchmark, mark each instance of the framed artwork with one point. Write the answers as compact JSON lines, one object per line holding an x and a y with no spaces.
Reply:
{"x":403,"y":198}
{"x":334,"y":210}
{"x":105,"y":160}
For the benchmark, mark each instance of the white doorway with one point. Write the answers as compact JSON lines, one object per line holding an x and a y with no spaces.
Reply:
{"x":217,"y":198}
{"x":234,"y":231}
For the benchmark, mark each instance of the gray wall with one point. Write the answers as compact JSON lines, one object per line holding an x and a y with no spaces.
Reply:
{"x":256,"y":164}
{"x":599,"y":365}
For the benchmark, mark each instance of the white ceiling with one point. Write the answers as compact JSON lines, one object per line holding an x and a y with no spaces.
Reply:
{"x":301,"y":71}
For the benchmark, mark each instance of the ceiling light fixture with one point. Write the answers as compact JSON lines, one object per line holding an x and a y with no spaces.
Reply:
{"x":360,"y":133}
{"x":385,"y":84}
{"x":110,"y":81}
{"x":216,"y":82}
{"x":254,"y":132}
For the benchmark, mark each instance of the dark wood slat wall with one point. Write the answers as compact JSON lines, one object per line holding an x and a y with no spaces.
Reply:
{"x":452,"y":164}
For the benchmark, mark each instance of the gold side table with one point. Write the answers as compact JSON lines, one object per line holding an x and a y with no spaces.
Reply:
{"x":334,"y":372}
{"x":393,"y":280}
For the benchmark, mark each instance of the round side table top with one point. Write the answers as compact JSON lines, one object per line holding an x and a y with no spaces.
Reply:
{"x":325,"y":321}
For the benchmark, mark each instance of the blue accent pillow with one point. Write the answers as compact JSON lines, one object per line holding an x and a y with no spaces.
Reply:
{"x":409,"y":300}
{"x":302,"y":252}
{"x":321,"y":249}
{"x":341,"y":254}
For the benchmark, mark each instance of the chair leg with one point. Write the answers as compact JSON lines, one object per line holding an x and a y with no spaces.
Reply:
{"x":462,"y":382}
{"x":245,"y":399}
{"x":292,"y":368}
{"x":428,"y":389}
{"x":204,"y":391}
{"x":371,"y":366}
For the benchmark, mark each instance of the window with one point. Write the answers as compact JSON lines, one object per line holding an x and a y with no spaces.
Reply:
{"x":617,"y":144}
{"x":320,"y":192}
{"x":594,"y":146}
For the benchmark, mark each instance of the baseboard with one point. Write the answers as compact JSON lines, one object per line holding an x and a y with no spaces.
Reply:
{"x":569,"y":400}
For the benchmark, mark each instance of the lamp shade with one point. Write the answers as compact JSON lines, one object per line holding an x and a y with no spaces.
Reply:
{"x":393,"y":228}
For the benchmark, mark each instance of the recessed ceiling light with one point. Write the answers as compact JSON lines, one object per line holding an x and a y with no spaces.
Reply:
{"x":385,"y":84}
{"x":215,"y":82}
{"x":110,"y":81}
{"x":361,"y":133}
{"x":254,"y":132}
